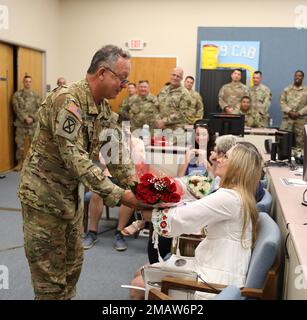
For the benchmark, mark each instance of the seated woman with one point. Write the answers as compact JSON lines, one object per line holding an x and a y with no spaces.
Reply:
{"x":196,"y":159}
{"x":229,"y":217}
{"x":222,"y":145}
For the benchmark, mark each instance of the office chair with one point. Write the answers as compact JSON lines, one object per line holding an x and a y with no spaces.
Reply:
{"x":265,"y":204}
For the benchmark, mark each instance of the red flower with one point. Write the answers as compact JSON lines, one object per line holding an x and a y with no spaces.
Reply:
{"x":147,"y":178}
{"x":164,"y":217}
{"x":153,"y":190}
{"x":163,"y":224}
{"x":174,"y":197}
{"x":166,"y":182}
{"x":172,"y":187}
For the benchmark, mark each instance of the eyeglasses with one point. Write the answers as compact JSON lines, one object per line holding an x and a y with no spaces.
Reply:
{"x":123,"y":82}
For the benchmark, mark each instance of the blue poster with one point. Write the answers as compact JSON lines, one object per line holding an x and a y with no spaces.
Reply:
{"x":230,"y":54}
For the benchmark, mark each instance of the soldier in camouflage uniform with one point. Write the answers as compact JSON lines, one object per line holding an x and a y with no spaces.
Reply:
{"x":293,"y":103}
{"x":261,"y":98}
{"x":143,"y":108}
{"x":73,"y":123}
{"x":124,"y":106}
{"x":25,"y":104}
{"x":175,"y":103}
{"x":252,"y":117}
{"x":197,"y":101}
{"x":231,"y":93}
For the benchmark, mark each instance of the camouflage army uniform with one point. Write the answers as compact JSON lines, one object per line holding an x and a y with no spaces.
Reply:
{"x":124,"y":109}
{"x":25,"y":104}
{"x":252,"y":118}
{"x":231,"y":93}
{"x":197,"y":107}
{"x":261,"y":98}
{"x":175,"y":106}
{"x":58,"y":164}
{"x":294,"y":99}
{"x":143,"y":110}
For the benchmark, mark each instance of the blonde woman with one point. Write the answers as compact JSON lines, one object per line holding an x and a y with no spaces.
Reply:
{"x":228,"y":215}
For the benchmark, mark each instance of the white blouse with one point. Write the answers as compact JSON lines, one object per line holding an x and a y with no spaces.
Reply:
{"x":222,"y":257}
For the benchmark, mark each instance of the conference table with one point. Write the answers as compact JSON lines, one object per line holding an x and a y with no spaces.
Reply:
{"x":291,"y":217}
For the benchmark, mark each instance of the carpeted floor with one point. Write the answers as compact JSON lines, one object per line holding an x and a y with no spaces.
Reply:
{"x":104,"y":269}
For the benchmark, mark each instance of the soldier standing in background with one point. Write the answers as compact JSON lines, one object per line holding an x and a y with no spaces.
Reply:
{"x":73,"y":122}
{"x":293,"y":103}
{"x":261,"y":98}
{"x":197,"y":108}
{"x":124,"y":106}
{"x":231,"y":93}
{"x":252,"y":117}
{"x":175,"y":103}
{"x":143,"y":108}
{"x":25,"y":104}
{"x":61,"y":82}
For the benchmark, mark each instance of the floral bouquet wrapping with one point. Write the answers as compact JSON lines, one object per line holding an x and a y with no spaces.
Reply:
{"x":158,"y":191}
{"x":199,"y":186}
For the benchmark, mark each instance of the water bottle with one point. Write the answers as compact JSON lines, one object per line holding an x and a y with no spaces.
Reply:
{"x":271,"y":122}
{"x":146,"y":135}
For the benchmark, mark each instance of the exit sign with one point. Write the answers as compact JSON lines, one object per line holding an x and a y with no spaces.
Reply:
{"x":135,"y":44}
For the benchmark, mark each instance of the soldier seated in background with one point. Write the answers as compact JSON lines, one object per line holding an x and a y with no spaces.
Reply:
{"x":252,"y":118}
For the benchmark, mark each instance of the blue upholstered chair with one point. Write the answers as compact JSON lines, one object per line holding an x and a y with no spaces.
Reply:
{"x":229,"y":293}
{"x":262,"y":275}
{"x":265,"y":204}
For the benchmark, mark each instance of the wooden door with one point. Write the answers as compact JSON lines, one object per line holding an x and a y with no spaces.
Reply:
{"x":155,"y":70}
{"x":30,"y":62}
{"x":6,"y":119}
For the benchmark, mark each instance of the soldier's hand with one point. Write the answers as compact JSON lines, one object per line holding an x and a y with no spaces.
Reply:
{"x":129,"y":199}
{"x":160,"y":124}
{"x":29,"y":121}
{"x":293,"y":115}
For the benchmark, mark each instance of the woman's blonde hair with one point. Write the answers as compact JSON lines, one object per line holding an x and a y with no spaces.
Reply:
{"x":243,"y":175}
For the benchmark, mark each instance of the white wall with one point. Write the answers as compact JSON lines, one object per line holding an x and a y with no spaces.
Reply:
{"x":168,"y":26}
{"x":35,"y":24}
{"x":72,"y":30}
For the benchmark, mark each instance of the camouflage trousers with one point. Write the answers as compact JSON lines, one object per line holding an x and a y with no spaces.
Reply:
{"x":54,"y":250}
{"x":20,"y":135}
{"x":296,"y":126}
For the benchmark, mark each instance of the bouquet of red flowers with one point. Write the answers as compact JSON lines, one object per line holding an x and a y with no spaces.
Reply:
{"x":158,"y":191}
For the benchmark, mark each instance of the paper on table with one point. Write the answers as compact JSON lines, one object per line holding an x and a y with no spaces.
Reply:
{"x":293,"y":182}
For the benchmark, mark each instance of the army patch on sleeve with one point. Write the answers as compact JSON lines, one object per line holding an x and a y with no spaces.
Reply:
{"x":74,"y":110}
{"x":67,"y":126}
